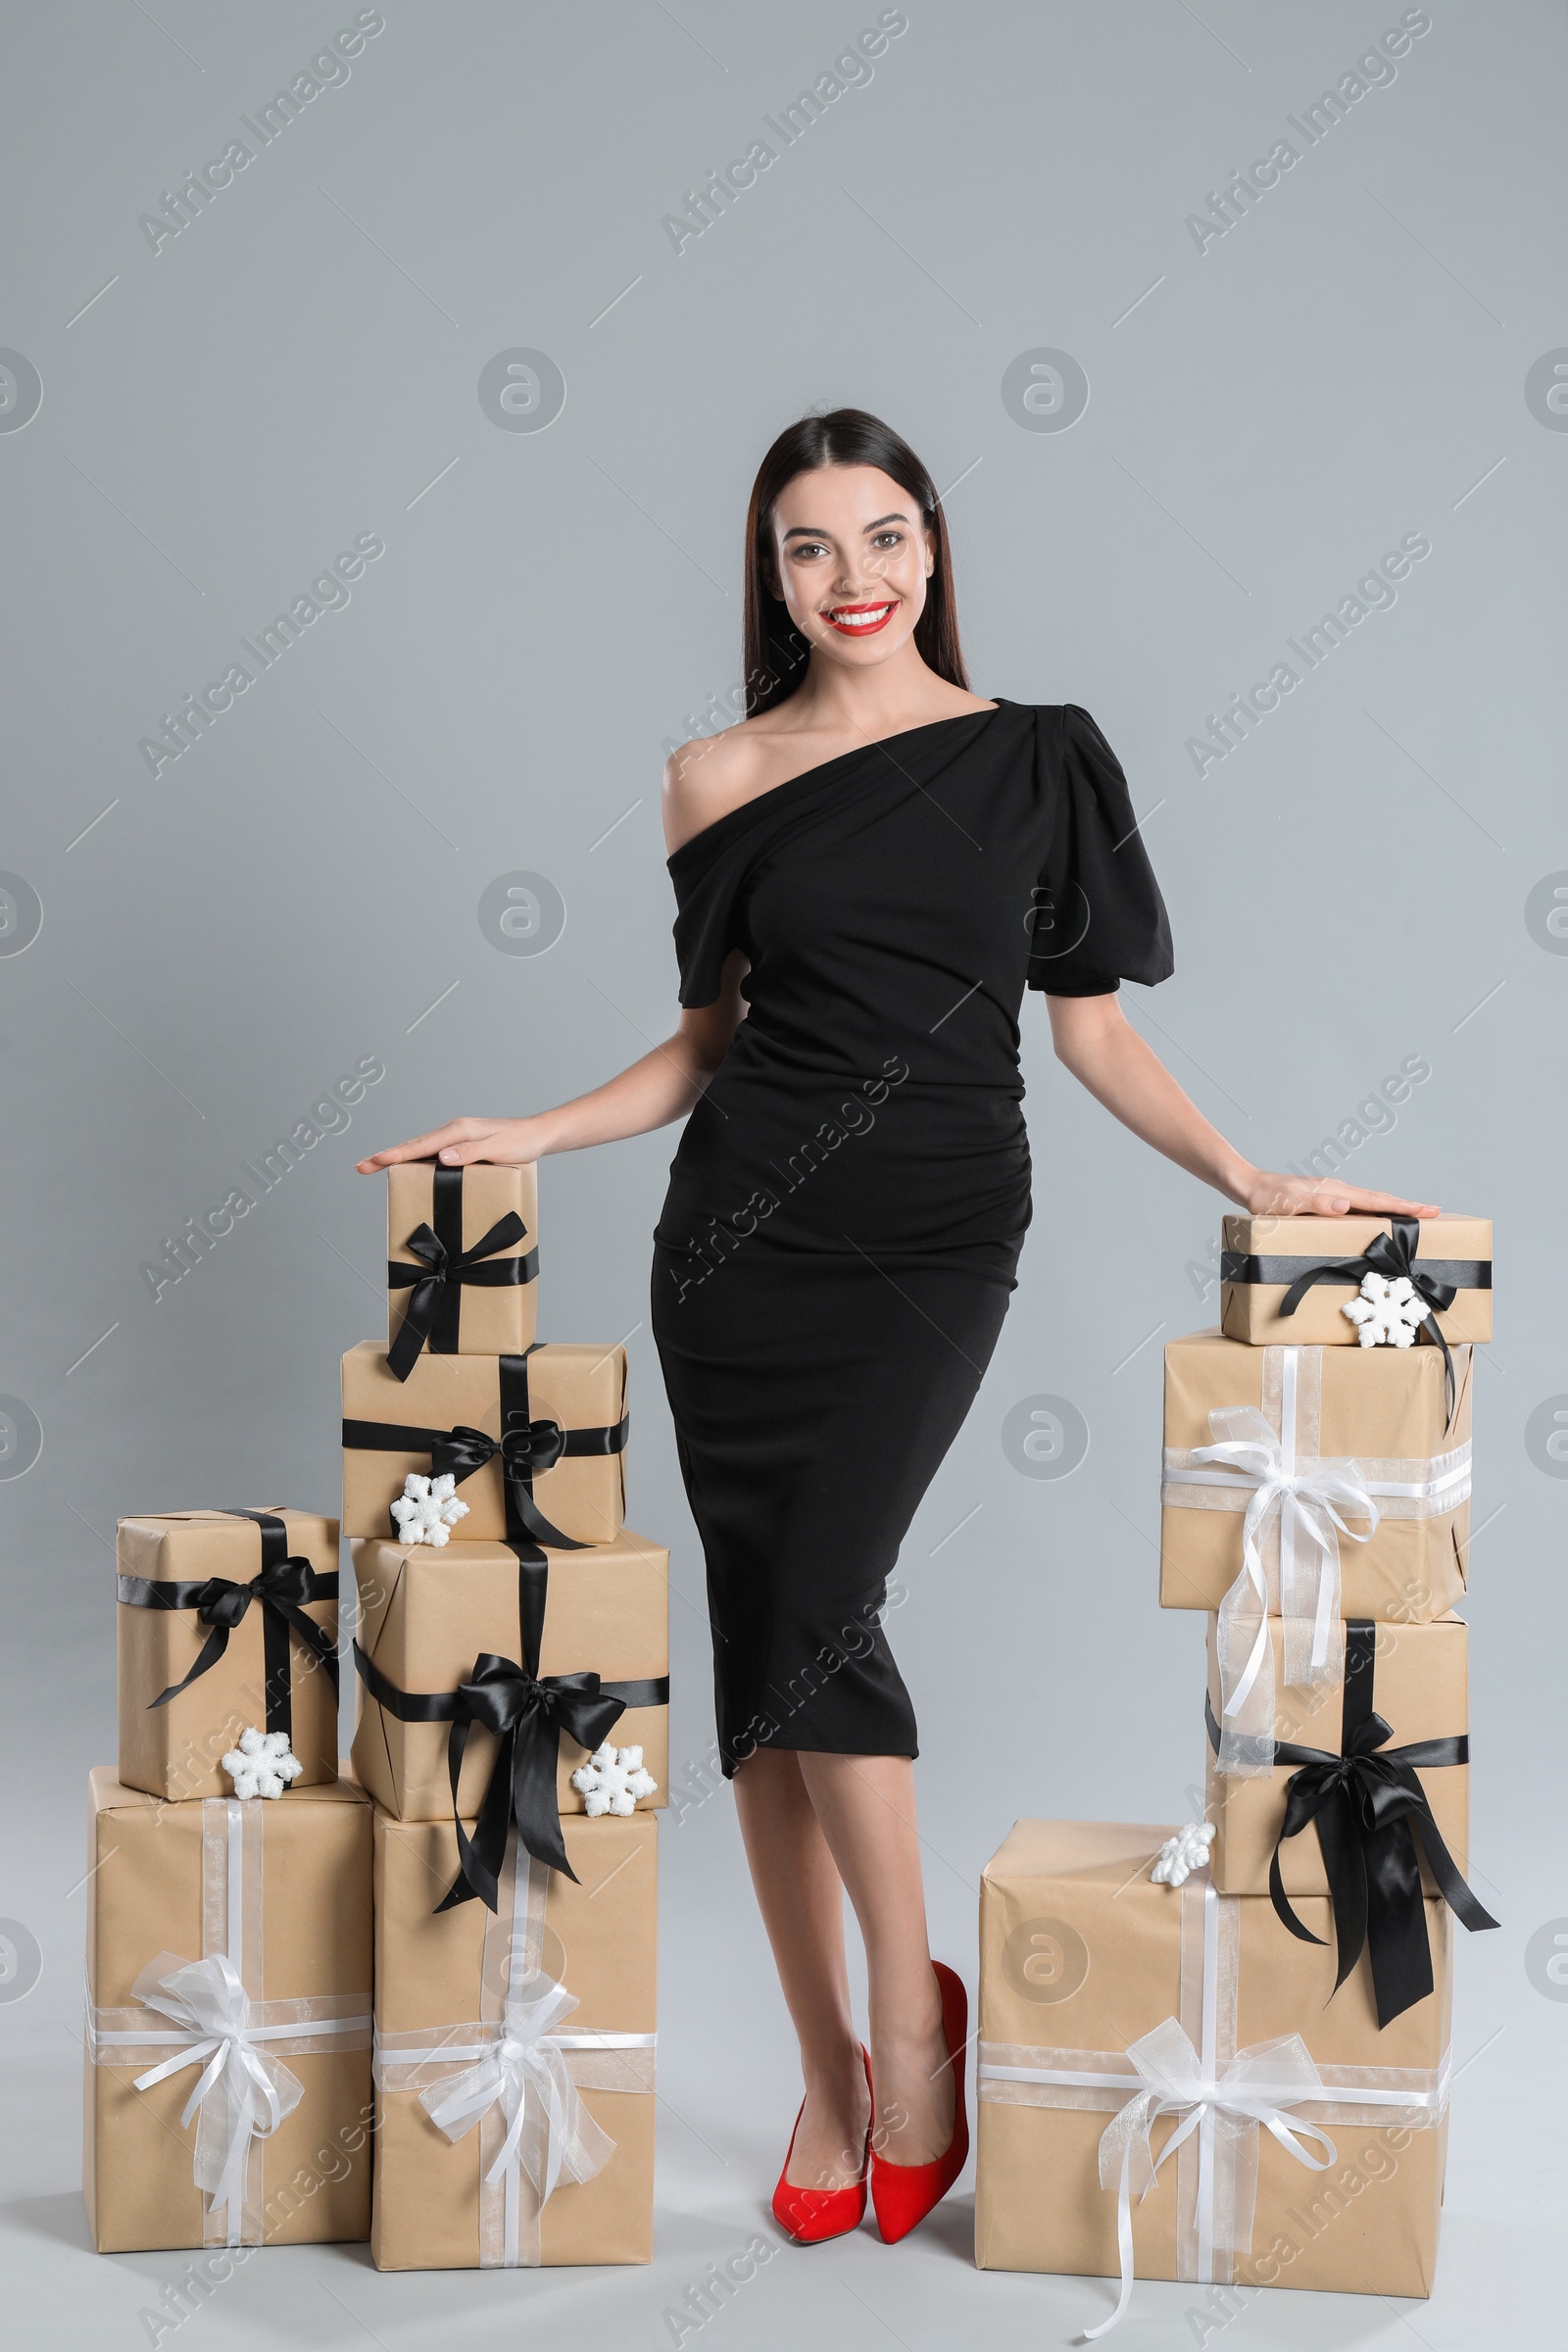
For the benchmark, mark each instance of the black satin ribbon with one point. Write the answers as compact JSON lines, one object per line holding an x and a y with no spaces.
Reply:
{"x":1391,"y":1254}
{"x":526,"y":1448}
{"x":1374,"y":1824}
{"x":445,"y":1269}
{"x":526,"y":1712}
{"x":285,"y":1584}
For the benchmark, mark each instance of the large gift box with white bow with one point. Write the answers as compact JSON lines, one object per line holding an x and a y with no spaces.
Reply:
{"x":462,"y":1260}
{"x":515,"y":2052}
{"x":227,"y":1621}
{"x":1341,"y":1282}
{"x":1335,"y":1480}
{"x":428,"y":1620}
{"x":483,"y":1448}
{"x":228,"y":2023}
{"x":1166,"y":2088}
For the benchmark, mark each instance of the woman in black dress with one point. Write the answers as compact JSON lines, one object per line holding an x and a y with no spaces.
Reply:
{"x":869,"y":872}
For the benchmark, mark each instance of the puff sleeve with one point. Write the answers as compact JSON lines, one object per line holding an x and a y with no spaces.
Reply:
{"x":1099,"y":917}
{"x":709,"y":876}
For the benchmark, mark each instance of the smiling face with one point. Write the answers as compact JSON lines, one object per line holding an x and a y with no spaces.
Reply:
{"x":851,"y":558}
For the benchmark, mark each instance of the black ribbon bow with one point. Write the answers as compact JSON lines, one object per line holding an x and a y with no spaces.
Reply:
{"x":527,"y":1448}
{"x":1374,"y":1824}
{"x":285,"y":1583}
{"x":1391,"y":1254}
{"x":444,"y":1268}
{"x":526,"y":1712}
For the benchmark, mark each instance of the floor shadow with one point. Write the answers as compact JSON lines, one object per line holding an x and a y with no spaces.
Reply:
{"x":61,"y":2217}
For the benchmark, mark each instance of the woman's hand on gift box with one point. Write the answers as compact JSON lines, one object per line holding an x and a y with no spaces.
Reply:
{"x":1267,"y":1195}
{"x":503,"y":1143}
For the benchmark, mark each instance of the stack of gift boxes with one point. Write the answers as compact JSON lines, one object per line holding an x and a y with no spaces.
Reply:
{"x":414,"y":2002}
{"x":1221,"y":2053}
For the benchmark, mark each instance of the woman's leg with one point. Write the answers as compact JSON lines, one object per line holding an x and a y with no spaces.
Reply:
{"x":866,"y":1808}
{"x":801,"y":1896}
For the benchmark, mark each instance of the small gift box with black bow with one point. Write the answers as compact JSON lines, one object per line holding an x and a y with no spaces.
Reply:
{"x":533,"y":1444}
{"x":227,"y":1623}
{"x":463,"y":1261}
{"x":1307,"y":1282}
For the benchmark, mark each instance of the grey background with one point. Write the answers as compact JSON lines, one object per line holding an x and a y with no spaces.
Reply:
{"x":1347,"y":889}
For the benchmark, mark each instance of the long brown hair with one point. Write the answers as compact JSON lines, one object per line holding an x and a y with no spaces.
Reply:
{"x":775,"y":652}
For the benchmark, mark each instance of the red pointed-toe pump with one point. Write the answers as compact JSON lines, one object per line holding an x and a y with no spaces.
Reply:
{"x":808,"y":2216}
{"x":904,"y":2194}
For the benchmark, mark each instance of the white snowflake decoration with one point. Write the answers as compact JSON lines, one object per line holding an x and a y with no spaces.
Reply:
{"x":427,"y":1509}
{"x":1387,"y":1314}
{"x":1184,"y":1853}
{"x":613,"y":1779}
{"x":263,"y":1764}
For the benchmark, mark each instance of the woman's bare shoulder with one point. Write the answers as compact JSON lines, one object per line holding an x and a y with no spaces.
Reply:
{"x":707,"y":777}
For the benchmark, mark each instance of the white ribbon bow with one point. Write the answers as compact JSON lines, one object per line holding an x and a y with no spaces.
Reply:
{"x":550,"y":2132}
{"x":239,"y":2083}
{"x":1309,"y":1501}
{"x":1255,"y":2088}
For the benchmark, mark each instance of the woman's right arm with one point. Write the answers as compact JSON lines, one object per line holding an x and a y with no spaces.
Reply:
{"x":663,"y":1086}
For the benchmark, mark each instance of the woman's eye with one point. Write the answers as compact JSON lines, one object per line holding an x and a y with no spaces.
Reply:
{"x":806,"y":549}
{"x":888,"y":539}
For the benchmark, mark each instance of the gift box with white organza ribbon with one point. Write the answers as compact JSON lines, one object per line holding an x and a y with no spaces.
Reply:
{"x":1169,"y":2088}
{"x":1311,"y":1484}
{"x":515,"y":2052}
{"x":229,"y":2019}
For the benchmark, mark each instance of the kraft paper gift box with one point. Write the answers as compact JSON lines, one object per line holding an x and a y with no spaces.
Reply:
{"x":483,"y":2021}
{"x":1415,"y":1677}
{"x":1097,"y":1986}
{"x":230,"y":1620}
{"x":426,"y":1618}
{"x":239,"y":1923}
{"x":556,"y":1475}
{"x":1262,"y":1257}
{"x":462,"y":1260}
{"x":1240,"y":1421}
{"x":1360,"y":1792}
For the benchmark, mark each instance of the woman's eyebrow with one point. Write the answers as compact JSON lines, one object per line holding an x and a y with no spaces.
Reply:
{"x":804,"y":531}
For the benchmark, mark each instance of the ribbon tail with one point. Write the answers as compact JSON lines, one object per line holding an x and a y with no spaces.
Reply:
{"x":535,"y":1755}
{"x":1397,"y":1922}
{"x":1345,"y":1865}
{"x":1460,"y":1899}
{"x":480,"y":1859}
{"x":315,"y":1637}
{"x":1124,"y":2249}
{"x":414,"y":1328}
{"x":212,"y":1651}
{"x":1282,"y":1901}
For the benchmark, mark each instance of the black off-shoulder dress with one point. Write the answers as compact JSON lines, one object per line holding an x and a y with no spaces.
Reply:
{"x":847,"y":1204}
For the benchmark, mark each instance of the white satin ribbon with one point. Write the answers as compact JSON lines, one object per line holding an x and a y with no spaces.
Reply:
{"x":1258,"y":2086}
{"x":1309,"y":1499}
{"x":549,"y":2131}
{"x":208,"y":2002}
{"x":1312,"y":1497}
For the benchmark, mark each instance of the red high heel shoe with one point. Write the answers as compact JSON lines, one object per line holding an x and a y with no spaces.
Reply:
{"x":904,"y":2194}
{"x":808,"y":2216}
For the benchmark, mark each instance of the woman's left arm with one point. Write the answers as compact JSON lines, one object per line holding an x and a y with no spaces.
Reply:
{"x":1095,"y":1040}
